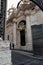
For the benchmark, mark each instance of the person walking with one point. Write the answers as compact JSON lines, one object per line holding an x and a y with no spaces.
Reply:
{"x":13,"y":45}
{"x":10,"y":45}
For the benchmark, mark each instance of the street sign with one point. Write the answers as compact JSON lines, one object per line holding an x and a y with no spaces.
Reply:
{"x":39,"y":3}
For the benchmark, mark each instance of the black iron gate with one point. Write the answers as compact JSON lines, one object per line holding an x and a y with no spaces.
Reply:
{"x":37,"y":36}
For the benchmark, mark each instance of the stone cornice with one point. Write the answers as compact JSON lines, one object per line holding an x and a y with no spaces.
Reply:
{"x":26,"y":6}
{"x":31,"y":12}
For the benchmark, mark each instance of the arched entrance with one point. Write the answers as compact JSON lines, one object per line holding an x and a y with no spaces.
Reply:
{"x":22,"y":26}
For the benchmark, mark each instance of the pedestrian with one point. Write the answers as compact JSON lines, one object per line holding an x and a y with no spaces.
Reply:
{"x":13,"y":45}
{"x":10,"y":45}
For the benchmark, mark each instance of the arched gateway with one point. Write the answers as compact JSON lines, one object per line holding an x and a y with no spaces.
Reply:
{"x":22,"y":27}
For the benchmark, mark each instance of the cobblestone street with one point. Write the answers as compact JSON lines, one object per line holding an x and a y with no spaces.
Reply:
{"x":20,"y":58}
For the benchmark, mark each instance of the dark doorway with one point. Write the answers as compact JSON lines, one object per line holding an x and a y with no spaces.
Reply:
{"x":22,"y":37}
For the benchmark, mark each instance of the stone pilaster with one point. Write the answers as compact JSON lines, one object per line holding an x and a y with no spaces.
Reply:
{"x":14,"y":31}
{"x":28,"y":32}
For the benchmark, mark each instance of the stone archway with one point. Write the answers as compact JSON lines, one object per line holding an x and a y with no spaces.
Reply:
{"x":22,"y":26}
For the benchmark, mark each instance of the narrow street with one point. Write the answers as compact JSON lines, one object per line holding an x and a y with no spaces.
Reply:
{"x":20,"y":58}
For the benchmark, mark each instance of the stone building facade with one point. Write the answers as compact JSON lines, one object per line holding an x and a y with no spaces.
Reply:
{"x":18,"y":25}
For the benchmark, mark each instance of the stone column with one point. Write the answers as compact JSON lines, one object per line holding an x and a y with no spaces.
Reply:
{"x":28,"y":32}
{"x":14,"y":32}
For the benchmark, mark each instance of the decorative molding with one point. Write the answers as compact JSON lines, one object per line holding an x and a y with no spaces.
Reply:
{"x":26,"y":1}
{"x":31,"y":12}
{"x":21,"y":13}
{"x":14,"y":20}
{"x":27,"y":12}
